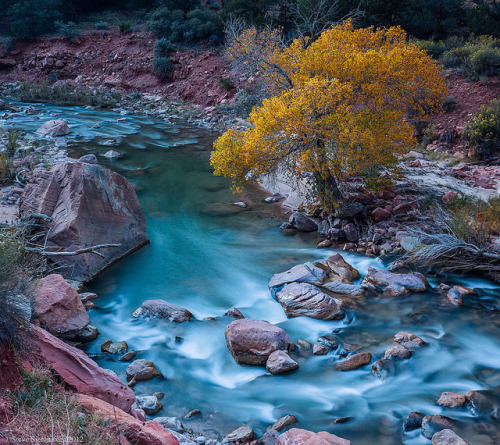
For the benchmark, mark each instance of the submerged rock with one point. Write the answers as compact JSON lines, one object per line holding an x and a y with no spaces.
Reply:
{"x":279,"y":362}
{"x":396,"y":284}
{"x":252,"y":341}
{"x":413,"y":421}
{"x":89,"y":206}
{"x":397,"y":351}
{"x":383,"y":368}
{"x":304,"y":299}
{"x":149,"y":404}
{"x":408,"y":340}
{"x":482,"y":403}
{"x":435,"y":423}
{"x":112,"y":154}
{"x":354,"y":361}
{"x":163,"y":309}
{"x":235,"y":313}
{"x":456,"y":294}
{"x":141,"y":370}
{"x":114,"y":348}
{"x":296,"y":436}
{"x":171,"y":423}
{"x":58,"y":307}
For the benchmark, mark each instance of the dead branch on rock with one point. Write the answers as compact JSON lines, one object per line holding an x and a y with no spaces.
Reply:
{"x":91,"y":249}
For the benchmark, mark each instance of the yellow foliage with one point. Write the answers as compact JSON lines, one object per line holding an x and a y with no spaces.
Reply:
{"x":339,"y":107}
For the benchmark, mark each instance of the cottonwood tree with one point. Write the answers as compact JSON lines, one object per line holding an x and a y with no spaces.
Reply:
{"x":337,"y":107}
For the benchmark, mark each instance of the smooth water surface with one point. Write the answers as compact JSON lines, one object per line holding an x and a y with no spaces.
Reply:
{"x":210,"y":264}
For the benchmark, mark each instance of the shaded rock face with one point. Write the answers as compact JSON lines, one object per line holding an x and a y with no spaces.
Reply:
{"x":396,"y":284}
{"x":303,"y":273}
{"x":354,"y":361}
{"x":240,"y":435}
{"x":142,"y":370}
{"x":435,"y":423}
{"x":302,"y":222}
{"x":383,"y":368}
{"x":58,"y":307}
{"x":296,"y":436}
{"x":413,"y":421}
{"x":304,"y":299}
{"x":80,"y":372}
{"x":408,"y":340}
{"x":447,"y":437}
{"x":252,"y":341}
{"x":135,"y":431}
{"x":162,"y":309}
{"x":90,"y":205}
{"x":54,"y":128}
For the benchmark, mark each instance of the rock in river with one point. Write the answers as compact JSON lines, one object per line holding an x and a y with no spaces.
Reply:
{"x":149,"y":404}
{"x":354,"y":361}
{"x":242,"y":434}
{"x":408,"y":340}
{"x":435,"y":423}
{"x":58,"y":307}
{"x":162,"y":309}
{"x":397,"y":351}
{"x":447,"y":437}
{"x":396,"y":284}
{"x":89,"y":206}
{"x":303,"y":273}
{"x":452,"y":400}
{"x":279,"y":362}
{"x":252,"y":341}
{"x":141,"y":370}
{"x":383,"y":368}
{"x":304,"y":299}
{"x":114,"y":348}
{"x":54,"y":128}
{"x":296,"y":436}
{"x":302,"y":222}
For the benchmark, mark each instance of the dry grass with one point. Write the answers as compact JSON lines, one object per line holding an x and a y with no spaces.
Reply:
{"x":45,"y":411}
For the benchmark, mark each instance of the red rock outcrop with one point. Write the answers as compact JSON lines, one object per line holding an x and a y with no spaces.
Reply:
{"x":58,"y":307}
{"x":79,"y":372}
{"x":90,"y":205}
{"x":135,"y":431}
{"x":296,"y":436}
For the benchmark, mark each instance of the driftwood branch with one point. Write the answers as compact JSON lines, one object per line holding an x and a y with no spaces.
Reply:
{"x":41,"y":216}
{"x":91,"y":249}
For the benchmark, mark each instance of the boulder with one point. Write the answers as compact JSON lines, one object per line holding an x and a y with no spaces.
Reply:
{"x":149,"y":404}
{"x":141,"y":370}
{"x":235,"y":313}
{"x":79,"y":372}
{"x":89,"y":159}
{"x":482,"y":403}
{"x":296,"y":436}
{"x":396,"y":284}
{"x":380,"y":214}
{"x":279,"y":362}
{"x":112,"y":154}
{"x":54,"y":128}
{"x":354,"y":361}
{"x":408,"y":340}
{"x":456,"y":294}
{"x":171,"y":423}
{"x":338,"y":269}
{"x":135,"y":431}
{"x":269,"y":438}
{"x":447,"y":437}
{"x":351,"y":232}
{"x":58,"y":307}
{"x":89,"y":206}
{"x":304,"y":299}
{"x":435,"y":423}
{"x":319,"y":349}
{"x":252,"y":341}
{"x":413,"y":421}
{"x":87,"y":334}
{"x":241,"y":435}
{"x":303,"y":273}
{"x":339,"y":288}
{"x":302,"y":222}
{"x":162,"y":309}
{"x":452,"y":400}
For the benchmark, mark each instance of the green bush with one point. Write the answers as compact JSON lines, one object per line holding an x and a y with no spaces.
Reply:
{"x":124,"y":26}
{"x":12,"y":143}
{"x":101,"y":25}
{"x":67,"y":30}
{"x":435,"y":49}
{"x":30,"y":18}
{"x":159,"y":22}
{"x":482,"y":132}
{"x":162,"y":67}
{"x":226,"y":83}
{"x":163,"y":47}
{"x":11,"y":251}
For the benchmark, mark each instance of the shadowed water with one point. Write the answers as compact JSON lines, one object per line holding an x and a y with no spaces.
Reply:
{"x":210,"y":264}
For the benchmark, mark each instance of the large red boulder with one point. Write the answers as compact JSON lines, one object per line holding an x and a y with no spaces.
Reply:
{"x":79,"y":372}
{"x":58,"y":307}
{"x":136,"y":431}
{"x":89,"y":205}
{"x":296,"y":436}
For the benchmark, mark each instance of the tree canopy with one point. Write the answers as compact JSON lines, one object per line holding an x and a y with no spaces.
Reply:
{"x":339,"y":107}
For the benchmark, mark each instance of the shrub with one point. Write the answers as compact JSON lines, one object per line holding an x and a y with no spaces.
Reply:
{"x":162,"y":67}
{"x":163,"y":47}
{"x":12,"y":143}
{"x":101,"y":25}
{"x":435,"y":49}
{"x":482,"y":132}
{"x":203,"y":23}
{"x":486,"y":61}
{"x":124,"y":26}
{"x":67,"y":30}
{"x":11,"y":251}
{"x":29,"y":18}
{"x":159,"y":22}
{"x":226,"y":83}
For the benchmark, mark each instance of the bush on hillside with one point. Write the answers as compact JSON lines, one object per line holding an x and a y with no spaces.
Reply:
{"x":482,"y":132}
{"x":67,"y":30}
{"x":163,"y":47}
{"x":163,"y":67}
{"x":30,"y":18}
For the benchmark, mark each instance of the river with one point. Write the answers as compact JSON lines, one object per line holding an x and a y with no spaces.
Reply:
{"x":210,"y":264}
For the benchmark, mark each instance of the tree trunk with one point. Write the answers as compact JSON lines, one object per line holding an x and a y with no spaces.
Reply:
{"x":328,"y":191}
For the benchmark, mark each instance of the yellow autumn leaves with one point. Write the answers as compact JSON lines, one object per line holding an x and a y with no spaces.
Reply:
{"x":339,"y":107}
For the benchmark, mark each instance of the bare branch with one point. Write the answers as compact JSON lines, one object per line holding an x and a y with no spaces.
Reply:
{"x":92,"y":249}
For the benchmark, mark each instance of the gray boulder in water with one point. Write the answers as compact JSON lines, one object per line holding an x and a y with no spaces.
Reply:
{"x":163,"y":309}
{"x":303,"y":273}
{"x":396,"y":284}
{"x":302,"y":222}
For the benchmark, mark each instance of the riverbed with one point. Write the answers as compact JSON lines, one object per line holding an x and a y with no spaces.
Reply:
{"x":210,"y":263}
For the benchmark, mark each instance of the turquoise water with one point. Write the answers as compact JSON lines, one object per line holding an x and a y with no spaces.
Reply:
{"x":210,"y":264}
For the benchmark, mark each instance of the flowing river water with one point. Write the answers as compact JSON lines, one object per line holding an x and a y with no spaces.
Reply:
{"x":210,"y":264}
